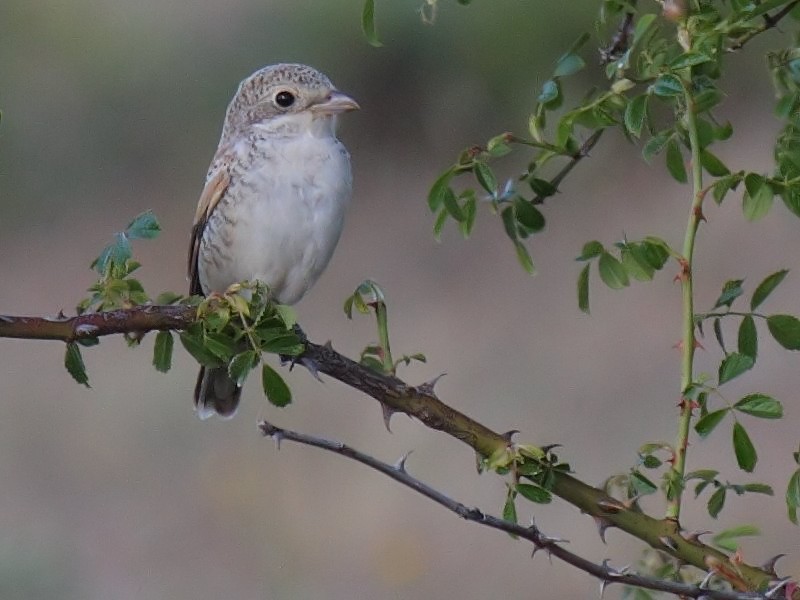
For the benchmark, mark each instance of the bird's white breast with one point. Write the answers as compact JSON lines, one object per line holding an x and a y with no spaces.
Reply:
{"x":281,"y":217}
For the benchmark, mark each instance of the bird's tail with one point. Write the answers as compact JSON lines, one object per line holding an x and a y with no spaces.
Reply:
{"x":216,"y":393}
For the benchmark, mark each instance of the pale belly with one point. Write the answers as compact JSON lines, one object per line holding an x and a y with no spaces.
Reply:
{"x":281,"y":222}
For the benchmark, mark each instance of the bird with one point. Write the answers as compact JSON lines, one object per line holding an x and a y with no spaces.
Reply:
{"x":274,"y":201}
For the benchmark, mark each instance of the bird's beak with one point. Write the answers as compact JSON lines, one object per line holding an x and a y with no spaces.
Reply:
{"x":334,"y":103}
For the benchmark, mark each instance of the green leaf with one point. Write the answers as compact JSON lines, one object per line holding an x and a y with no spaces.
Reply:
{"x":733,"y":365}
{"x":642,"y":484}
{"x":162,"y":351}
{"x":591,"y":250}
{"x":766,"y":287}
{"x":542,"y":188}
{"x":275,"y":388}
{"x":241,"y":365}
{"x":524,"y":258}
{"x":748,"y":337}
{"x":758,"y":196}
{"x":287,"y":314}
{"x":452,"y":206}
{"x":716,"y":502}
{"x":551,"y":92}
{"x":707,"y":423}
{"x":73,"y":361}
{"x":655,"y":145}
{"x":761,"y":406}
{"x":689,"y":59}
{"x":534,"y":493}
{"x":730,"y":291}
{"x":635,"y":114}
{"x":510,"y":509}
{"x":667,"y":86}
{"x":470,"y":208}
{"x":583,"y":289}
{"x":635,"y":263}
{"x":656,"y":252}
{"x":612,"y":272}
{"x":438,"y":225}
{"x":198,"y":350}
{"x":368,"y":24}
{"x":746,"y":455}
{"x":728,"y":539}
{"x":288,"y":344}
{"x":528,"y":215}
{"x":485,"y":176}
{"x":758,"y":488}
{"x":793,"y":496}
{"x":569,"y":64}
{"x":143,"y":227}
{"x":436,"y":194}
{"x":675,"y":164}
{"x":713,"y":165}
{"x":786,"y":330}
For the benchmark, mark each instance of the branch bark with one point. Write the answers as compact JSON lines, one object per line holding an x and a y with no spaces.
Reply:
{"x":419,"y":402}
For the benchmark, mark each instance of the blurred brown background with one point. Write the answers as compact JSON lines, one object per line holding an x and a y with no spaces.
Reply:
{"x":114,"y":107}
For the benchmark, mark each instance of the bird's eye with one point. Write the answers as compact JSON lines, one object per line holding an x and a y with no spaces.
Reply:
{"x":284,"y":99}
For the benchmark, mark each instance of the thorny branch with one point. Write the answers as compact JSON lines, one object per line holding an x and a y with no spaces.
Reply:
{"x":422,"y":403}
{"x":768,"y":22}
{"x":551,"y":545}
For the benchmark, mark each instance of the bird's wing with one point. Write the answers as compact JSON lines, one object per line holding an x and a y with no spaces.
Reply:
{"x":216,"y":184}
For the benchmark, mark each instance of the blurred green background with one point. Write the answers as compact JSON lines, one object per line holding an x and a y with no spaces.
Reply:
{"x":113,"y":107}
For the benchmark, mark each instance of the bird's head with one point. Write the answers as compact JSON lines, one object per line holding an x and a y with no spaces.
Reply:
{"x":285,"y":99}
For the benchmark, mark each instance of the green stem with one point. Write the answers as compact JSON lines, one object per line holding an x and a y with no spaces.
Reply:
{"x":688,"y":336}
{"x":382,"y":316}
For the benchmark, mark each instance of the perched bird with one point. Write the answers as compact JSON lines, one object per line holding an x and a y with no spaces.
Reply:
{"x":274,"y":201}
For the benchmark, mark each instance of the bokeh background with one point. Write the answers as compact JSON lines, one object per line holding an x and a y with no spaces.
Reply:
{"x":113,"y":107}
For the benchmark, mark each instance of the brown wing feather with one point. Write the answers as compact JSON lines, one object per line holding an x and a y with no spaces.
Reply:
{"x":209,"y":199}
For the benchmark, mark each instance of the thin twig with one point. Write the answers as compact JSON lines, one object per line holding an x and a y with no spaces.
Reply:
{"x":582,"y":153}
{"x":768,"y":22}
{"x":540,"y":541}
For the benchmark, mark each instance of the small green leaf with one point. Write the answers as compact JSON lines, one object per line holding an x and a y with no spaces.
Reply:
{"x":168,"y":298}
{"x":241,"y":365}
{"x":436,"y":194}
{"x":534,"y":493}
{"x":688,"y":59}
{"x":583,"y":289}
{"x":612,"y":272}
{"x":551,"y":92}
{"x":667,"y":86}
{"x":368,"y":24}
{"x":73,"y":361}
{"x":275,"y":388}
{"x":642,"y":484}
{"x":288,"y":344}
{"x":707,"y":423}
{"x":793,"y":496}
{"x":524,"y":258}
{"x":198,"y":350}
{"x":675,"y":164}
{"x":438,"y":225}
{"x":748,"y":337}
{"x":766,"y":287}
{"x":485,"y":176}
{"x":733,"y":365}
{"x":716,"y":502}
{"x":656,"y":252}
{"x":713,"y":165}
{"x":655,"y":145}
{"x":591,"y":250}
{"x":542,"y":188}
{"x":635,"y":114}
{"x":162,"y":351}
{"x":143,"y":227}
{"x":636,"y":264}
{"x":761,"y":406}
{"x":510,"y":509}
{"x":746,"y":455}
{"x":730,"y":291}
{"x":757,"y":198}
{"x":470,"y":208}
{"x":528,"y":215}
{"x":569,"y":64}
{"x":758,"y":488}
{"x":786,"y":330}
{"x":728,"y":539}
{"x":452,"y":206}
